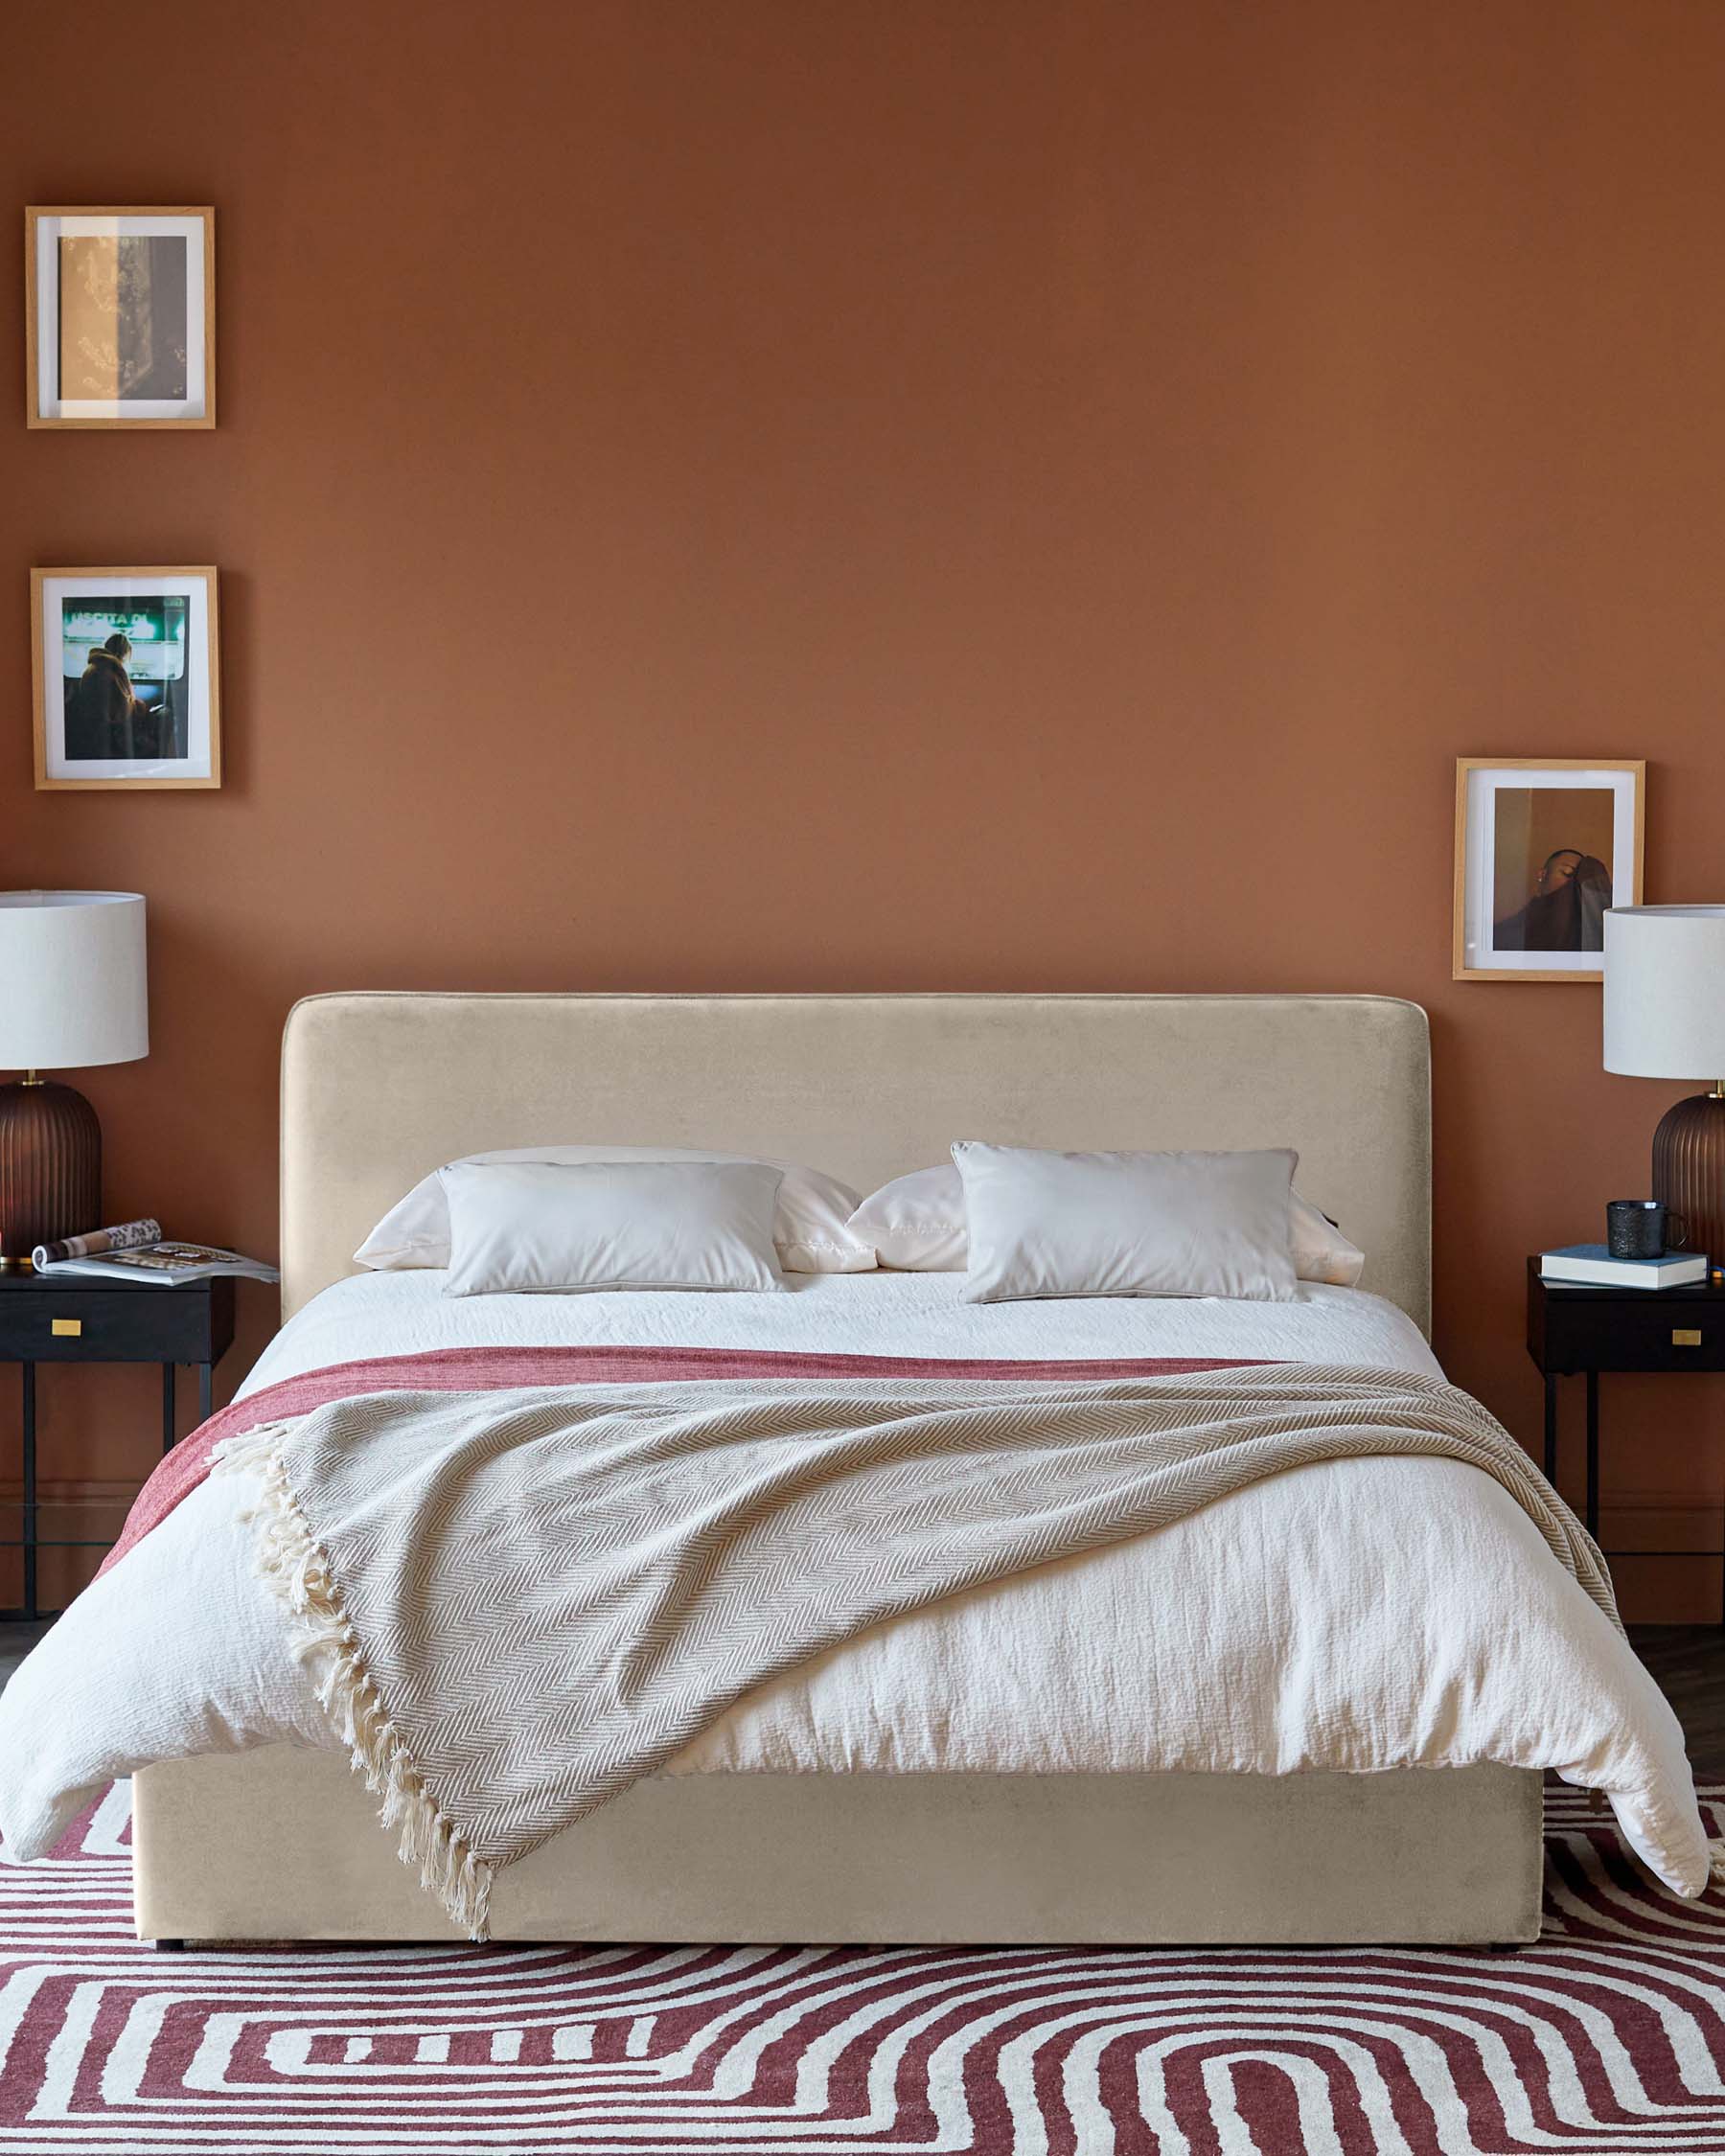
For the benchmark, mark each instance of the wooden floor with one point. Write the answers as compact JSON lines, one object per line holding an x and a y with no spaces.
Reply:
{"x":15,"y":1642}
{"x":1686,"y":1660}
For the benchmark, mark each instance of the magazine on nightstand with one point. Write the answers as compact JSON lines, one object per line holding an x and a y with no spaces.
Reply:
{"x":137,"y":1251}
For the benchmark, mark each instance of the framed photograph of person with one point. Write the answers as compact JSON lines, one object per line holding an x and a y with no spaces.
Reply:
{"x":120,"y":317}
{"x":1543,"y":846}
{"x":126,"y":684}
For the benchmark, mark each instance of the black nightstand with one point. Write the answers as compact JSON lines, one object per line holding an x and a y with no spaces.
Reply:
{"x":1586,"y":1331}
{"x":48,"y":1319}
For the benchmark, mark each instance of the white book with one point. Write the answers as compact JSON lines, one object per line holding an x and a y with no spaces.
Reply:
{"x":1591,"y":1265}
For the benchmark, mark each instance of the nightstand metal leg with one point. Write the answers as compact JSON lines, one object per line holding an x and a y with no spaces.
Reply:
{"x":28,"y":1527}
{"x":1550,"y":1427}
{"x":168,"y":1414}
{"x":206,"y":1388}
{"x":1593,"y":1453}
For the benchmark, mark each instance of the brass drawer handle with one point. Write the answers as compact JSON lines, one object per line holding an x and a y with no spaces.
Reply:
{"x":1683,"y":1337}
{"x":67,"y":1328}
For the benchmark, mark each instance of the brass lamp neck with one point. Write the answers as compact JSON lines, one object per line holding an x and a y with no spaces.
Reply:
{"x":30,"y":1078}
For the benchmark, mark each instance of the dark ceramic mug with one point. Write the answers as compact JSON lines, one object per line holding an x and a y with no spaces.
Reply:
{"x":1642,"y":1227}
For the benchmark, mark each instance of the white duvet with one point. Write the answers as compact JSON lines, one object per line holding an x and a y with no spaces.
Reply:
{"x":1363,"y":1615}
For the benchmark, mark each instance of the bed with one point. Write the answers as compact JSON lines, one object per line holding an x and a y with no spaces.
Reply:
{"x":976,"y":1773}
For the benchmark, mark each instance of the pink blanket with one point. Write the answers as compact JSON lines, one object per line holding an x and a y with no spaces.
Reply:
{"x":492,"y":1369}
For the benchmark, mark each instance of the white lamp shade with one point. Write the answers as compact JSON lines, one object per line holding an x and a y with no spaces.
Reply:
{"x":1664,"y":990}
{"x":72,"y":979}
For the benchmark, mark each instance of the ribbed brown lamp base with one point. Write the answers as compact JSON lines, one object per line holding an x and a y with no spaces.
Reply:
{"x":50,"y":1167}
{"x":1689,"y":1169}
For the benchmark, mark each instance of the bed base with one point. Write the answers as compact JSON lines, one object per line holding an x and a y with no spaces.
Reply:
{"x":284,"y":1844}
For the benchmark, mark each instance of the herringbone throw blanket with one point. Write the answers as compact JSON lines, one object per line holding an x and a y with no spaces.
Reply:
{"x":517,"y":1604}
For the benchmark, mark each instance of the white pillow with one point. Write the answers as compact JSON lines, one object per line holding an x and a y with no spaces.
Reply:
{"x":809,"y":1227}
{"x":1321,"y":1249}
{"x":1126,"y":1223}
{"x":543,"y":1228}
{"x":916,"y":1223}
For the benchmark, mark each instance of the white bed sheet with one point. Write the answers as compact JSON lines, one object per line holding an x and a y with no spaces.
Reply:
{"x":1364,"y":1615}
{"x":841,"y":1314}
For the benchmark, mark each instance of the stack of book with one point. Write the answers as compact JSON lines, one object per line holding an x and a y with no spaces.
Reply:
{"x":1591,"y":1265}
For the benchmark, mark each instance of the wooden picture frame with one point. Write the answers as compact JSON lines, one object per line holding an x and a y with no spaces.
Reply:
{"x":154,"y":346}
{"x":1544,"y":844}
{"x":126,"y":681}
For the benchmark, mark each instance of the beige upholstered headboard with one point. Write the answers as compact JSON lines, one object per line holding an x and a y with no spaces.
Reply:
{"x":379,"y":1089}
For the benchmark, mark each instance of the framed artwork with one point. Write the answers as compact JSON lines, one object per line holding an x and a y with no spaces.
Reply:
{"x":1543,"y":846}
{"x":120,"y":317}
{"x":126,"y":688}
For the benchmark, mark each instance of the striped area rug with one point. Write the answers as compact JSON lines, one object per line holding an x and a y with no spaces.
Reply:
{"x":1606,"y":2037}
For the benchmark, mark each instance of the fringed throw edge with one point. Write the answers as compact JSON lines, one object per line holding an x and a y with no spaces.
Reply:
{"x":293,"y":1566}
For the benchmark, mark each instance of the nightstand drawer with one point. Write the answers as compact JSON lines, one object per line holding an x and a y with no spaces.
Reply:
{"x":1617,"y":1334}
{"x":109,"y":1325}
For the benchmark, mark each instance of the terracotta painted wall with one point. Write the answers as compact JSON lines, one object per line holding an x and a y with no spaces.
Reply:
{"x":771,"y":494}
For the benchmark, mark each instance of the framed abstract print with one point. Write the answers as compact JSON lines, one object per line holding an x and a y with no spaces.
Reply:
{"x":120,"y":317}
{"x":126,"y":684}
{"x":1543,"y":847}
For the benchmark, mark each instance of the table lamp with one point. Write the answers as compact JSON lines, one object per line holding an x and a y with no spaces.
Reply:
{"x":72,"y":993}
{"x":1665,"y":1018}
